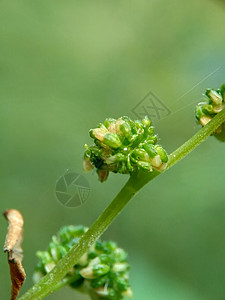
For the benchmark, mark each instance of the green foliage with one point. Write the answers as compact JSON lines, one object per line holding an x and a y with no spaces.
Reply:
{"x":124,"y":146}
{"x":210,"y":107}
{"x":103,"y":271}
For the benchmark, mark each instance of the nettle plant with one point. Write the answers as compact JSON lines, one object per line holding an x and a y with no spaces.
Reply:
{"x":75,"y":256}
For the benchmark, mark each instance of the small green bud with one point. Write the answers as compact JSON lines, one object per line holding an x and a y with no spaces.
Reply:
{"x":162,"y":153}
{"x":83,"y":261}
{"x":98,"y":133}
{"x":92,"y":255}
{"x":99,"y":246}
{"x":98,"y":282}
{"x":140,"y":155}
{"x":115,"y":158}
{"x":37,"y":276}
{"x":150,"y":149}
{"x":128,"y":293}
{"x":120,"y":267}
{"x":146,"y":122}
{"x":109,"y":246}
{"x":218,"y":108}
{"x":49,"y":267}
{"x":57,"y":251}
{"x":66,"y":233}
{"x":198,"y":112}
{"x":156,"y":161}
{"x":206,"y":110}
{"x":112,"y":140}
{"x":205,"y":120}
{"x":214,"y":96}
{"x":152,"y":140}
{"x":120,"y":147}
{"x":45,"y":257}
{"x":106,"y":258}
{"x":125,"y":129}
{"x":120,"y":254}
{"x":145,"y":166}
{"x":122,"y":284}
{"x":100,"y":269}
{"x":87,"y":272}
{"x":103,"y":270}
{"x":108,"y":122}
{"x":112,"y":294}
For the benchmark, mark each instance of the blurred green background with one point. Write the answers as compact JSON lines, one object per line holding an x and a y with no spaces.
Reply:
{"x":66,"y":66}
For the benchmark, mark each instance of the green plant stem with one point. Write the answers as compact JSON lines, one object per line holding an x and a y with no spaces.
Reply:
{"x":136,"y":181}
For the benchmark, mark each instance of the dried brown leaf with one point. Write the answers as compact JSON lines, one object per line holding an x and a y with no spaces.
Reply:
{"x":12,"y":246}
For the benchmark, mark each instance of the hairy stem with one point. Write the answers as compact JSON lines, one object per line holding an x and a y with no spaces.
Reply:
{"x":136,"y":181}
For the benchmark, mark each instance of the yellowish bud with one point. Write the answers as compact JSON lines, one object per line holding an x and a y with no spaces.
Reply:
{"x":205,"y":120}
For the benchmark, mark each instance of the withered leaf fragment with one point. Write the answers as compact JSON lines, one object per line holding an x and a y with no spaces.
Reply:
{"x":12,"y":246}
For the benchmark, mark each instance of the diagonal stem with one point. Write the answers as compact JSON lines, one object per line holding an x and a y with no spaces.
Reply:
{"x":136,"y":181}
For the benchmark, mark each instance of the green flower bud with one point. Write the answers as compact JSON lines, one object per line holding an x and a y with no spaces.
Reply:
{"x":198,"y":112}
{"x":112,"y":140}
{"x":162,"y":153}
{"x":49,"y":267}
{"x":98,"y":282}
{"x":146,"y":122}
{"x":109,"y":246}
{"x":145,"y":166}
{"x":217,"y":109}
{"x":67,"y":232}
{"x":126,"y":131}
{"x":57,"y":251}
{"x":120,"y":254}
{"x":98,"y":133}
{"x":122,"y":284}
{"x":102,"y":271}
{"x":208,"y":109}
{"x":123,"y":146}
{"x":109,"y":122}
{"x":83,"y":261}
{"x":99,"y":246}
{"x":214,"y":96}
{"x":205,"y":120}
{"x":211,"y":106}
{"x":45,"y":257}
{"x":119,"y":157}
{"x":150,"y":149}
{"x":140,"y":155}
{"x":156,"y":161}
{"x":128,"y":293}
{"x":37,"y":276}
{"x":152,"y":139}
{"x":87,"y":273}
{"x":120,"y":267}
{"x":106,"y":258}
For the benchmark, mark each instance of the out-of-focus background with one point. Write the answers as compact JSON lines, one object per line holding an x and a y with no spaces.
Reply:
{"x":65,"y":67}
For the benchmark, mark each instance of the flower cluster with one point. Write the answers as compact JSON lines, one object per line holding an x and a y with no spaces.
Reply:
{"x":102,"y":272}
{"x":212,"y":105}
{"x":124,"y":146}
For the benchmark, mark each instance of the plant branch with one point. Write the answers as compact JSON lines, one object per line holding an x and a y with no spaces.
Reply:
{"x":136,"y":181}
